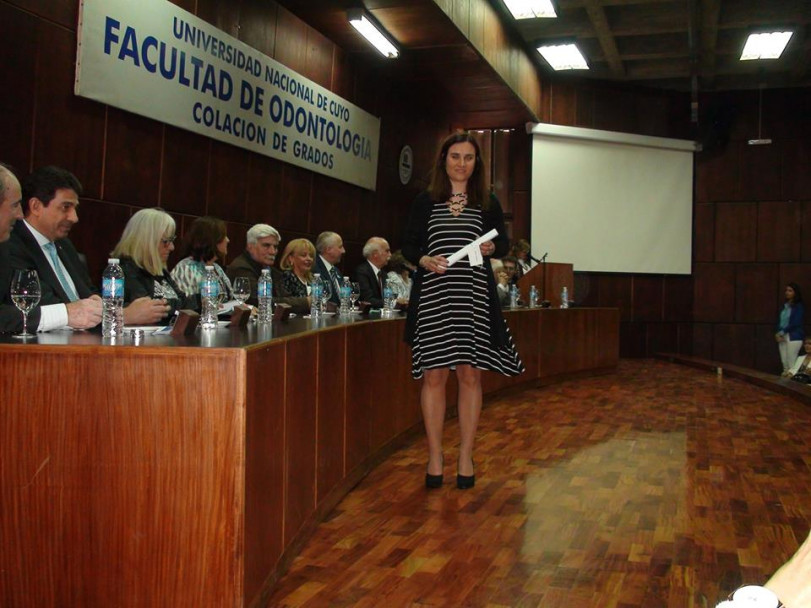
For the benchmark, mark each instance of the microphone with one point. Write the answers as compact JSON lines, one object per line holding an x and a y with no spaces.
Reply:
{"x":536,"y":260}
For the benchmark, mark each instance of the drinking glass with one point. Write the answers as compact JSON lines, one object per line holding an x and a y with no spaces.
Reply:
{"x":241,"y":289}
{"x":25,"y":294}
{"x":326,"y":293}
{"x":355,"y":294}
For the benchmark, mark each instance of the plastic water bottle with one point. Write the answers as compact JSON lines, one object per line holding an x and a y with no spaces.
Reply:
{"x":533,"y":296}
{"x":513,"y":296}
{"x":346,"y":296}
{"x":316,"y":293}
{"x":564,"y":298}
{"x":264,"y":295}
{"x":112,"y":294}
{"x":209,"y":298}
{"x":389,"y":298}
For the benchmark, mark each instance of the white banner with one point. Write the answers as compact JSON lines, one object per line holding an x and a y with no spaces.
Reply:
{"x":154,"y":59}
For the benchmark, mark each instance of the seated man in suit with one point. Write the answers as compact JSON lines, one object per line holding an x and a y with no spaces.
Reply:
{"x":506,"y":278}
{"x":262,"y":245}
{"x":330,"y":249}
{"x":81,"y":314}
{"x":370,"y":274}
{"x":50,"y":200}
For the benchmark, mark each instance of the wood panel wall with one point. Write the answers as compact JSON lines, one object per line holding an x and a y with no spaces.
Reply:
{"x":751,"y":212}
{"x":752,"y":218}
{"x":126,"y":162}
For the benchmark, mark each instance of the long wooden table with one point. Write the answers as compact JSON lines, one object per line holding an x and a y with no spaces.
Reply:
{"x":189,"y":472}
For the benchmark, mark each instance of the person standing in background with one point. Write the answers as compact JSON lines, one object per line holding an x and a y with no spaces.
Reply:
{"x":790,"y":331}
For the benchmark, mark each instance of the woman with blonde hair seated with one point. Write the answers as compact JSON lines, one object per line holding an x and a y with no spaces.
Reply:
{"x":296,"y":264}
{"x":143,"y":250}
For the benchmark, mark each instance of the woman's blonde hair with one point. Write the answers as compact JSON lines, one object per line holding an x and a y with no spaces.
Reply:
{"x":141,"y":237}
{"x":295,"y":246}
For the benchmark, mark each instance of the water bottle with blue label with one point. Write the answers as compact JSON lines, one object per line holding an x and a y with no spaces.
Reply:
{"x":345,"y":296}
{"x":112,"y":295}
{"x":264,"y":297}
{"x":316,"y":293}
{"x":564,"y":298}
{"x":514,"y":296}
{"x":389,"y":297}
{"x":209,"y":298}
{"x":533,"y":296}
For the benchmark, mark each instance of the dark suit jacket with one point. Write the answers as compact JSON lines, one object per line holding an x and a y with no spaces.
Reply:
{"x":369,"y":286}
{"x":26,"y":253}
{"x":245,"y":266}
{"x":321,"y":269}
{"x":11,"y":319}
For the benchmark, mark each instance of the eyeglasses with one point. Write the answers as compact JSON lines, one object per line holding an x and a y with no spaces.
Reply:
{"x":168,"y":240}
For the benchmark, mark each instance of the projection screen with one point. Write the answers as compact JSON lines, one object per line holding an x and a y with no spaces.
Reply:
{"x":612,"y":202}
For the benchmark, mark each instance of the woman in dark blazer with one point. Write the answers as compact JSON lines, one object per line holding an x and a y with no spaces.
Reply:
{"x":790,"y":331}
{"x":454,"y":316}
{"x":143,"y":250}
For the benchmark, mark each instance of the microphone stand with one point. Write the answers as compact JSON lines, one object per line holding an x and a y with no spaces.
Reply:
{"x":544,"y":302}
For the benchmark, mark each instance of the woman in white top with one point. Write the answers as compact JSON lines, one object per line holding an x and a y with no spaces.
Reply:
{"x":399,"y":276}
{"x":803,"y":361}
{"x":205,"y":244}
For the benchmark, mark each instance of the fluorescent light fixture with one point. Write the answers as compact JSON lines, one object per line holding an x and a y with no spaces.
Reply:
{"x":765,"y":45}
{"x":371,"y":32}
{"x":531,"y":9}
{"x":563,"y":56}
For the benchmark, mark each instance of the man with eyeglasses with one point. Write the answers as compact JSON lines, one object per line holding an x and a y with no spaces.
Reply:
{"x":50,"y":200}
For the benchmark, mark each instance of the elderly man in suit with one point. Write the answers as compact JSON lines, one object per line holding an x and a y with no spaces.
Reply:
{"x":330,"y":249}
{"x":370,"y":275}
{"x":50,"y":201}
{"x":262,"y":246}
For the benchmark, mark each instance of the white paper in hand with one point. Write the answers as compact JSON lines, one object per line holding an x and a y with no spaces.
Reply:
{"x":472,"y":250}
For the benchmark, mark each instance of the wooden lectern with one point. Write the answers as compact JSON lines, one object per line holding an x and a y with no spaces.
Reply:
{"x":550,"y":278}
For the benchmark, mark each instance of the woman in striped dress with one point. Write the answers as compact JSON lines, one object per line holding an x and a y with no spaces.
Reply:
{"x":454,"y":316}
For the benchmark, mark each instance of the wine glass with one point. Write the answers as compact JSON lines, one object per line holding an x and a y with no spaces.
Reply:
{"x":355,"y":295}
{"x":326,"y":293}
{"x":25,"y":294}
{"x":241,"y":289}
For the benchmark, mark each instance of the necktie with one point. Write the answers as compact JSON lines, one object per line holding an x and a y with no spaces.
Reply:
{"x":51,"y":249}
{"x":336,"y":280}
{"x":380,"y":281}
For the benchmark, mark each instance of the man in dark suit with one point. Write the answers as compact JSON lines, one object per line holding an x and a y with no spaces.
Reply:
{"x":10,"y":212}
{"x":369,"y":274}
{"x":262,"y":246}
{"x":81,"y":314}
{"x":50,"y":199}
{"x":330,"y":249}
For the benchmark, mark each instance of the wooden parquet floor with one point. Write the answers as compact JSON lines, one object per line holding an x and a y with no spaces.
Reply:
{"x":660,"y":485}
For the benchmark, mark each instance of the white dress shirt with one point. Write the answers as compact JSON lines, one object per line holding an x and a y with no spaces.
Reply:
{"x":52,"y":316}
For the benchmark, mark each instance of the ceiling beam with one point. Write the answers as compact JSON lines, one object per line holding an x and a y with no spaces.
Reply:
{"x":599,"y":20}
{"x":709,"y":18}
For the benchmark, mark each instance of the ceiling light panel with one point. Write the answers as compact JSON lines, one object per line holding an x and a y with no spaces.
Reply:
{"x":531,"y":9}
{"x":564,"y":57}
{"x":765,"y":45}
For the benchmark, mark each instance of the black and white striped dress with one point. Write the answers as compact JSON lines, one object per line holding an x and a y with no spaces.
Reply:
{"x":453,"y":325}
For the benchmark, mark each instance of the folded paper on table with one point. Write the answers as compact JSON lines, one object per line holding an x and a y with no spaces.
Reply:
{"x":472,"y":250}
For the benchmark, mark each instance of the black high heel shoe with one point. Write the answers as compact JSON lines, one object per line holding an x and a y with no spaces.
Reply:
{"x":465,"y":482}
{"x":432,"y":482}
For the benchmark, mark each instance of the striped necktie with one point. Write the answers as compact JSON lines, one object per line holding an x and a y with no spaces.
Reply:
{"x":51,"y":249}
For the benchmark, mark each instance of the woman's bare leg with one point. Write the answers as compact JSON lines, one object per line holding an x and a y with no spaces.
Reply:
{"x":432,"y":400}
{"x":470,"y":406}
